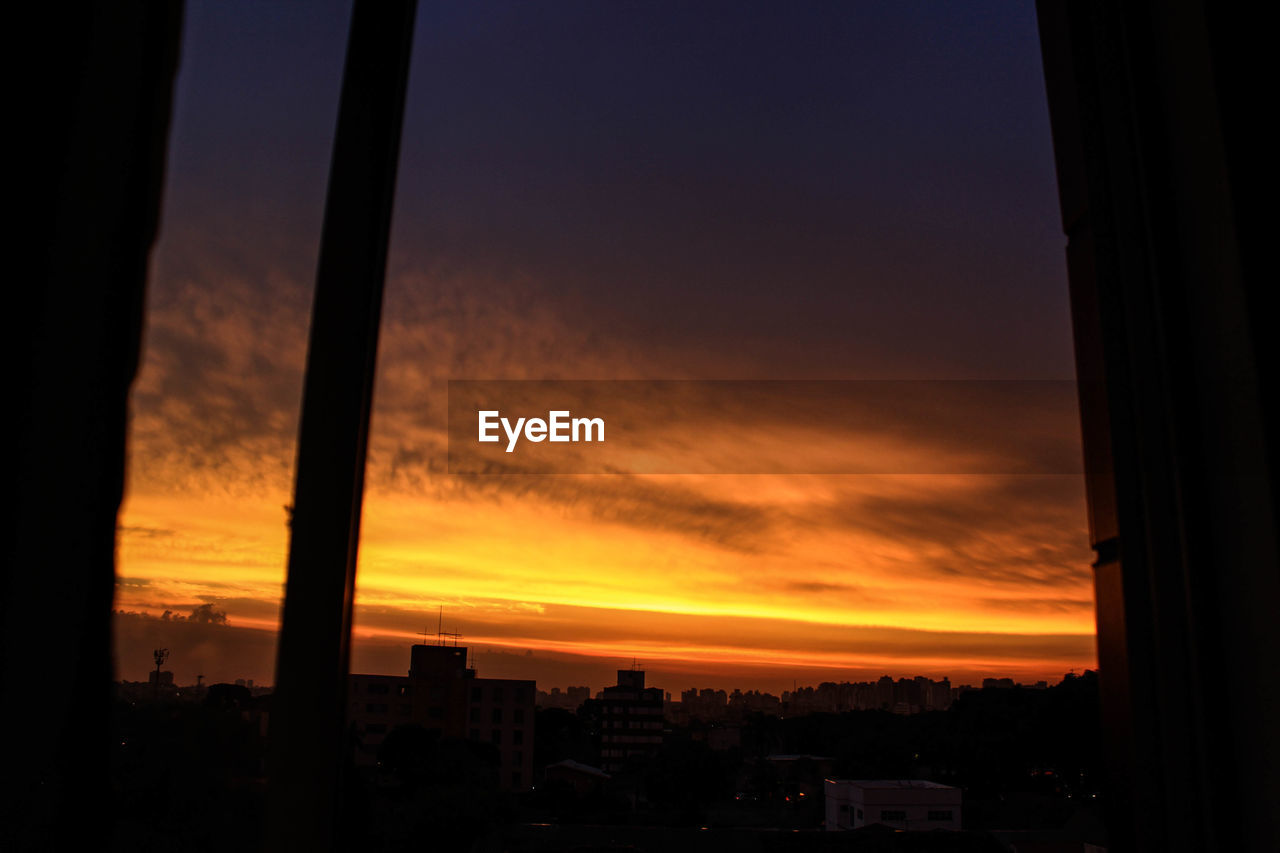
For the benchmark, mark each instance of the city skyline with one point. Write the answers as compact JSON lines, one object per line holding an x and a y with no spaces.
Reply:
{"x":209,"y":659}
{"x":559,"y":695}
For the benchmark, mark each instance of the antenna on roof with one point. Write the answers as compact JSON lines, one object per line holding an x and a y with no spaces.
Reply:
{"x":443,"y":636}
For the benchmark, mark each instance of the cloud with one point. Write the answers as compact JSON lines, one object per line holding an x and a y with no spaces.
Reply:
{"x":1053,"y":605}
{"x":818,"y":587}
{"x":216,"y":404}
{"x":147,"y":532}
{"x":765,"y":653}
{"x":219,"y":652}
{"x":1020,"y":531}
{"x":203,"y":614}
{"x":818,"y":571}
{"x":133,"y":583}
{"x":206,"y":615}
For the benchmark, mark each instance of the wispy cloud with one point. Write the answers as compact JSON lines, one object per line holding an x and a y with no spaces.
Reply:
{"x":567,"y":563}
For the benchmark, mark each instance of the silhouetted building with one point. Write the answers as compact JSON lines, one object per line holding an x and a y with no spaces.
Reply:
{"x":631,"y":720}
{"x":704,"y":704}
{"x":570,"y":699}
{"x":441,"y":693}
{"x":940,"y":695}
{"x":904,"y":696}
{"x":582,"y":778}
{"x":912,"y":804}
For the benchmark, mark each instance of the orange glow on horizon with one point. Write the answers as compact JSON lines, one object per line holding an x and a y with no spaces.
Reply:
{"x":768,"y":573}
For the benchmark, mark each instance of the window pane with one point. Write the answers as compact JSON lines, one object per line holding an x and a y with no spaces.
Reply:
{"x":203,"y":529}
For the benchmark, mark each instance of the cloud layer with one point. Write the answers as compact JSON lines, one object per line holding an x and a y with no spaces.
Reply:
{"x":608,"y":192}
{"x":766,"y":574}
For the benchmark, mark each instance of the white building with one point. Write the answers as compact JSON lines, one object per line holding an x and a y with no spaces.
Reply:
{"x":902,"y":804}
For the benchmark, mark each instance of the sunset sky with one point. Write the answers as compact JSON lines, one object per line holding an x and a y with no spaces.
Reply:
{"x":734,"y":191}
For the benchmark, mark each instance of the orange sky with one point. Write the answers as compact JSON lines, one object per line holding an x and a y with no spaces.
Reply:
{"x":772,"y":578}
{"x":850,"y":192}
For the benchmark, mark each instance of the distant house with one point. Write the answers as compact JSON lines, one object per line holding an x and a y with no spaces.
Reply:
{"x":899,"y":804}
{"x":583,"y":778}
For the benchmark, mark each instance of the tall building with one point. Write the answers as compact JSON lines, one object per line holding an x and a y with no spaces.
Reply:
{"x":631,"y":721}
{"x":884,"y":692}
{"x":441,"y":693}
{"x":940,"y":695}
